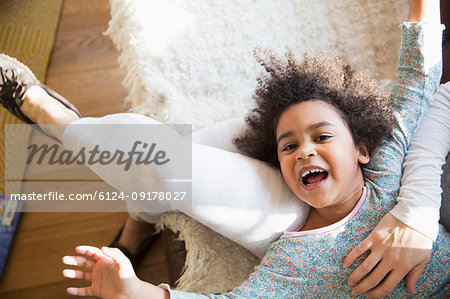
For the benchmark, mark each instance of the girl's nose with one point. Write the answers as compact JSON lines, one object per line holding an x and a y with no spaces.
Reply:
{"x":305,"y":152}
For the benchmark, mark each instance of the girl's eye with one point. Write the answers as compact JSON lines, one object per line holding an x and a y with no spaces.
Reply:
{"x":323,"y":137}
{"x":289,"y":147}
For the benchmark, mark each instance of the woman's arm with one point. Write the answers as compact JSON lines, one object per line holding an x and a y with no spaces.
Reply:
{"x":396,"y":249}
{"x":420,"y":195}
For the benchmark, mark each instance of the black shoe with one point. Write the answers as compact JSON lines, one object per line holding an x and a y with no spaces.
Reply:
{"x":15,"y":79}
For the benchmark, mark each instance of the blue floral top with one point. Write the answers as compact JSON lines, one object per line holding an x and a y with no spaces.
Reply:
{"x":309,"y":264}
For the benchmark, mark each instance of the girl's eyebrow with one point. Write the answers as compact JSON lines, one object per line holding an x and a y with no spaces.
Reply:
{"x":284,"y":135}
{"x":310,"y":128}
{"x":320,"y":124}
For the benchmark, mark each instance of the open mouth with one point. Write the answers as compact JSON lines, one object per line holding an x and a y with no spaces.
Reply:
{"x":313,"y":177}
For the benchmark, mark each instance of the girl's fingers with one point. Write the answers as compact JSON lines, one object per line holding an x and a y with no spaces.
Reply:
{"x":77,"y":274}
{"x":117,"y":256}
{"x":357,"y":251}
{"x":78,"y":261}
{"x":91,"y":251}
{"x":79,"y":291}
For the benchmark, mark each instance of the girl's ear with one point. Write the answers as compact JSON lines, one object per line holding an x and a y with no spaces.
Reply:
{"x":363,"y":156}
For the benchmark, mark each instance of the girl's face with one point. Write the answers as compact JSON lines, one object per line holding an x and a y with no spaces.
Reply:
{"x":318,"y":158}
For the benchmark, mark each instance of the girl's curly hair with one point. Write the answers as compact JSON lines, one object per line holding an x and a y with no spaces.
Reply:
{"x":359,"y":100}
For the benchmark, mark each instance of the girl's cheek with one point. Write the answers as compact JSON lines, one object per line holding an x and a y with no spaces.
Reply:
{"x":283,"y":170}
{"x":286,"y":171}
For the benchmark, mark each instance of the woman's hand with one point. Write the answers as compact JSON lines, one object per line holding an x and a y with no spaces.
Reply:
{"x":396,"y":250}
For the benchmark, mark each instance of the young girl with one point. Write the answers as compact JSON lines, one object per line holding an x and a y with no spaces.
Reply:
{"x":340,"y":148}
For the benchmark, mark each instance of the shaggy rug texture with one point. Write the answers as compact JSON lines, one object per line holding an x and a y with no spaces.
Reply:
{"x":192,"y":62}
{"x":214,"y":264}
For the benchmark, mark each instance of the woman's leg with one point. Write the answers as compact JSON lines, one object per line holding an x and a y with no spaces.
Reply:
{"x":41,"y":108}
{"x":242,"y":198}
{"x":221,"y":134}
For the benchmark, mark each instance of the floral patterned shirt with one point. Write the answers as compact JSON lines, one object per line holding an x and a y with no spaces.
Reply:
{"x":308,"y":264}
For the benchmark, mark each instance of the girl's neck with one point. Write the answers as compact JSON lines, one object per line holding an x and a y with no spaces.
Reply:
{"x":321,"y":217}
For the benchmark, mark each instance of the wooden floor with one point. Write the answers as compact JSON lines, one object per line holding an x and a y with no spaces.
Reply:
{"x":84,"y":69}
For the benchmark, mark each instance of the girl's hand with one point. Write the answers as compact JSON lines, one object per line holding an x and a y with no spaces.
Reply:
{"x":108,"y":270}
{"x":396,"y":250}
{"x":424,"y":10}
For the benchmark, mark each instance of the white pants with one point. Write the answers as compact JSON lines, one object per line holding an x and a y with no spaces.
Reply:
{"x":244,"y":199}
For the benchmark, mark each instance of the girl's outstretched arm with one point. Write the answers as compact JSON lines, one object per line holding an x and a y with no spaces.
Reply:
{"x":396,"y":248}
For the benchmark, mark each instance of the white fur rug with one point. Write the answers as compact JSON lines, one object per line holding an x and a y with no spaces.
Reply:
{"x":192,"y":62}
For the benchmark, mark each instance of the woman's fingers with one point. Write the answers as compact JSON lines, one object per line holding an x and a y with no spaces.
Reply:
{"x":372,"y":282}
{"x":395,"y":250}
{"x":413,"y":276}
{"x":78,"y":261}
{"x":357,"y":251}
{"x":383,"y":279}
{"x":91,"y":251}
{"x":77,"y":274}
{"x":79,"y":291}
{"x":362,"y":270}
{"x":388,"y":284}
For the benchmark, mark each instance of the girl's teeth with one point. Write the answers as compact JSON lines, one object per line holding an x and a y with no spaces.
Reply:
{"x":311,"y":171}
